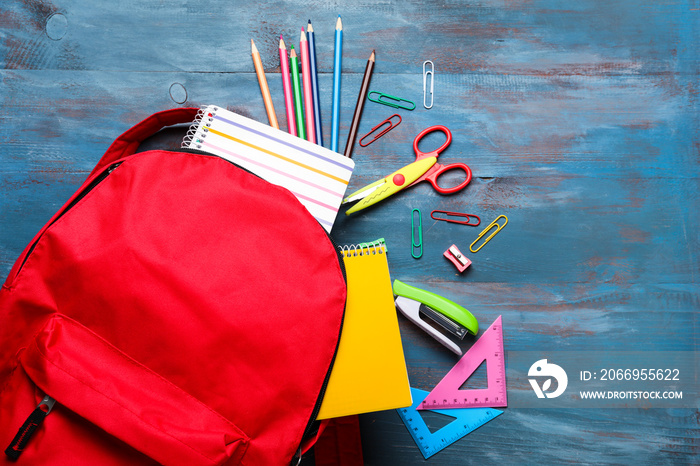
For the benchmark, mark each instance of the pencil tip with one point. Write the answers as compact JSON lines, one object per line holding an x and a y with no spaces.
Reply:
{"x":339,"y":24}
{"x":253,"y":48}
{"x":371,"y":57}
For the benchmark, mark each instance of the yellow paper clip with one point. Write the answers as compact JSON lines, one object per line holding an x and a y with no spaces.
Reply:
{"x":492,"y":224}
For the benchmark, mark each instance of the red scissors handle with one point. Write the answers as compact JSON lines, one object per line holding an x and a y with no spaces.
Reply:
{"x":436,"y":152}
{"x":436,"y":170}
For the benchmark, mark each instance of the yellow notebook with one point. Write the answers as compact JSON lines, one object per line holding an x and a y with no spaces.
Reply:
{"x":369,"y":373}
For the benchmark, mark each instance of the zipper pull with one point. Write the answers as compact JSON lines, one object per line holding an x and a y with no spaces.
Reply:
{"x":29,"y":427}
{"x":115,"y":165}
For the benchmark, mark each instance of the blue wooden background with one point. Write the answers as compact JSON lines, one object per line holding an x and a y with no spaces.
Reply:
{"x":578,"y":119}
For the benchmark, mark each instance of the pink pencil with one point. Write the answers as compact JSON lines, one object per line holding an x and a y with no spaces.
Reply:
{"x":308,"y":96}
{"x":287,"y":86}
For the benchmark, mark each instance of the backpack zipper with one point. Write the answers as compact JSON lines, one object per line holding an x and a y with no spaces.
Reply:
{"x":82,"y":194}
{"x":30,"y":426}
{"x":317,"y":407}
{"x":36,"y":418}
{"x":101,"y":177}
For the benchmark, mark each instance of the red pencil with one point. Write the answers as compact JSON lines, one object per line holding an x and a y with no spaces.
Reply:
{"x":308,"y":95}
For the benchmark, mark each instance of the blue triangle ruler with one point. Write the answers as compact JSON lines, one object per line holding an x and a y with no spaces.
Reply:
{"x":468,"y":420}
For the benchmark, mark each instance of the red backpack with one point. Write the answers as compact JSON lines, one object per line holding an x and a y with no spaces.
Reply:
{"x":177,"y":309}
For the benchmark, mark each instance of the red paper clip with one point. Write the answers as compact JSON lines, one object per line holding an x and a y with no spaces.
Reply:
{"x":455,"y":214}
{"x":384,"y":131}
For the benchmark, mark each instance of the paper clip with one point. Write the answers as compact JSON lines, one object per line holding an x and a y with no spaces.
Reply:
{"x":492,"y":224}
{"x":432,"y":83}
{"x":391,"y":101}
{"x":416,"y":227}
{"x":455,"y":214}
{"x":384,"y":131}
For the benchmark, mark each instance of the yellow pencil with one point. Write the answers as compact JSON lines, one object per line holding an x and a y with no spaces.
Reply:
{"x":263,"y":86}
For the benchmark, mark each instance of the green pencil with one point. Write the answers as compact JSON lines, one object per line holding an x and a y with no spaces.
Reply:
{"x":296,"y":89}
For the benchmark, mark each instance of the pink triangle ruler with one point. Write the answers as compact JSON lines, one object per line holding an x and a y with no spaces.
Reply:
{"x":489,"y":348}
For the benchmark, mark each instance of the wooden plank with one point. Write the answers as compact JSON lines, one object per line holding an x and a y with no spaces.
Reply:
{"x":532,"y":436}
{"x":615,"y":126}
{"x":521,"y":37}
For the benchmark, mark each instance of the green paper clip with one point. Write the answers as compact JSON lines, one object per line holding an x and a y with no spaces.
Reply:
{"x":416,"y":227}
{"x":391,"y":101}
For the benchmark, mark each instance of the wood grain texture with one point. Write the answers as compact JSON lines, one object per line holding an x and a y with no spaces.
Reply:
{"x":580,"y":122}
{"x":523,"y":37}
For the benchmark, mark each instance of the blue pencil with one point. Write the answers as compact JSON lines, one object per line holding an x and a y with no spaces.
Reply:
{"x":337,"y":65}
{"x":314,"y":82}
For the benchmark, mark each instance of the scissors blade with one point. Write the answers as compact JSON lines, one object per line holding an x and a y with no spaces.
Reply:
{"x":363,"y":192}
{"x":392,"y":184}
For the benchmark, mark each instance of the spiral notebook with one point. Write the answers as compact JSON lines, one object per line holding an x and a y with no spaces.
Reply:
{"x":369,"y":373}
{"x":317,"y":176}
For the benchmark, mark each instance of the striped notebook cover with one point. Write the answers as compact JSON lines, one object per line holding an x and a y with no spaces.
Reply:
{"x":317,"y":176}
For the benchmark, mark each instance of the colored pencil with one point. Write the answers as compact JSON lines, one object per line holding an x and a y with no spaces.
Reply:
{"x":337,"y":69}
{"x":287,"y":87}
{"x":267,"y":98}
{"x":296,"y":88}
{"x":314,"y":83}
{"x":308,"y":97}
{"x":359,"y":106}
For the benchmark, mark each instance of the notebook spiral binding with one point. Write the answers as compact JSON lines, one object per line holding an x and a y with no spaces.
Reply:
{"x":363,"y":249}
{"x":194,"y":135}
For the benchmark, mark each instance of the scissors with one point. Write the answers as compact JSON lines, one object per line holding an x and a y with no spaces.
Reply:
{"x":425,"y":168}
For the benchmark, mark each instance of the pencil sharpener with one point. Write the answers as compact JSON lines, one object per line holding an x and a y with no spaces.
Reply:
{"x":454,"y":255}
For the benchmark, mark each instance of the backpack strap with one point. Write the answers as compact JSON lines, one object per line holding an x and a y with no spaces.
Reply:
{"x":129,"y":142}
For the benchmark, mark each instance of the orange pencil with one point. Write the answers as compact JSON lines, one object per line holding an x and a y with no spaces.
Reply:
{"x":263,"y":86}
{"x":308,"y":94}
